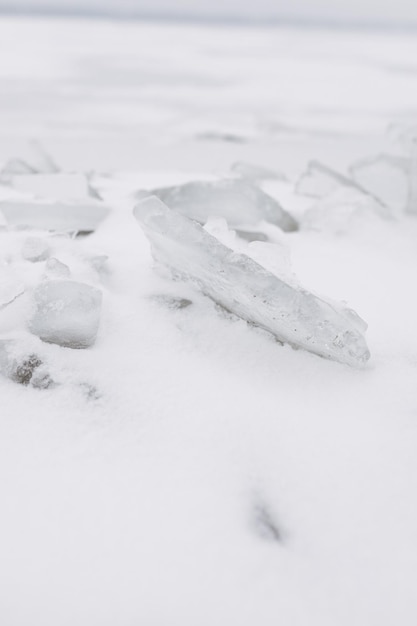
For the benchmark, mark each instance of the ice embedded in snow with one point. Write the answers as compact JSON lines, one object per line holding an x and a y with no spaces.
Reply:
{"x":13,"y":167}
{"x":35,"y":249}
{"x":55,"y":216}
{"x":239,"y":202}
{"x":59,"y":186}
{"x":22,"y":366}
{"x":245,"y":288}
{"x":56,"y":269}
{"x":66,"y":313}
{"x":255,"y":173}
{"x":386,"y":177}
{"x":320,"y":181}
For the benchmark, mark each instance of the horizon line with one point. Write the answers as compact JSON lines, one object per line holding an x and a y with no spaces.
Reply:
{"x":208,"y":19}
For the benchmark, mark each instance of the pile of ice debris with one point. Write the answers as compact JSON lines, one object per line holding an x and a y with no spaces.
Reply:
{"x":215,"y":235}
{"x":42,"y":299}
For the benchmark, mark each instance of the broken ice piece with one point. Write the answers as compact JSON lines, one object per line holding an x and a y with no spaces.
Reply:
{"x":57,"y":216}
{"x":247,"y":289}
{"x":35,"y":249}
{"x":249,"y":235}
{"x":385,"y":177}
{"x":239,"y":202}
{"x":320,"y":181}
{"x":56,"y":269}
{"x":59,"y":186}
{"x":255,"y":172}
{"x":15,"y":166}
{"x":21,"y":366}
{"x":66,"y":313}
{"x":172,"y":302}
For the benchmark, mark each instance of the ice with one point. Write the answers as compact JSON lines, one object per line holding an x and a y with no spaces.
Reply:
{"x":56,"y":269}
{"x":56,"y":216}
{"x":250,"y":235}
{"x":59,"y":186}
{"x":35,"y":249}
{"x":247,"y":289}
{"x":385,"y":177}
{"x":239,"y":202}
{"x":255,"y":173}
{"x":13,"y":167}
{"x":22,"y":366}
{"x":319,"y":181}
{"x":66,"y":313}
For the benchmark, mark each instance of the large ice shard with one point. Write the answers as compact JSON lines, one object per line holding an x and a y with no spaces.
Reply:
{"x":56,"y":216}
{"x":247,"y":289}
{"x":239,"y":202}
{"x":67,"y":313}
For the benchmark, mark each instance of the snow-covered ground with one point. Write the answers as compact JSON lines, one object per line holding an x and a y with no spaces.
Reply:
{"x":187,"y":469}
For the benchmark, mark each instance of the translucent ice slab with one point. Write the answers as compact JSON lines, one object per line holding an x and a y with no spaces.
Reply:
{"x":66,"y":313}
{"x":57,"y":216}
{"x":255,"y":173}
{"x":385,"y":177}
{"x":247,"y":289}
{"x":59,"y":186}
{"x":239,"y":202}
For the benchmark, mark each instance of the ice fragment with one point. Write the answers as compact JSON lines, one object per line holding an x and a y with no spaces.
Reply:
{"x":21,"y":366}
{"x":239,"y":202}
{"x":247,"y":289}
{"x":66,"y":313}
{"x":255,"y":172}
{"x":56,"y":269}
{"x":56,"y":216}
{"x":59,"y":186}
{"x":385,"y":177}
{"x":35,"y":249}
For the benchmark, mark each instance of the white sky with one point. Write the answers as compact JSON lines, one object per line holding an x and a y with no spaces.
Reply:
{"x":377,"y":10}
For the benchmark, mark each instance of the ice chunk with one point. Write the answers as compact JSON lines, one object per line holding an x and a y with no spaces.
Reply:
{"x":255,"y":172}
{"x":250,"y":235}
{"x":35,"y":249}
{"x":319,"y":181}
{"x":57,"y":216}
{"x":385,"y":177}
{"x":57,"y":186}
{"x":239,"y":202}
{"x":247,"y":289}
{"x":56,"y":269}
{"x":172,"y":302}
{"x":13,"y":167}
{"x":22,"y":366}
{"x":66,"y":313}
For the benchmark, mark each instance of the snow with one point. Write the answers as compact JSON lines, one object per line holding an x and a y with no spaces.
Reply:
{"x":187,"y":469}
